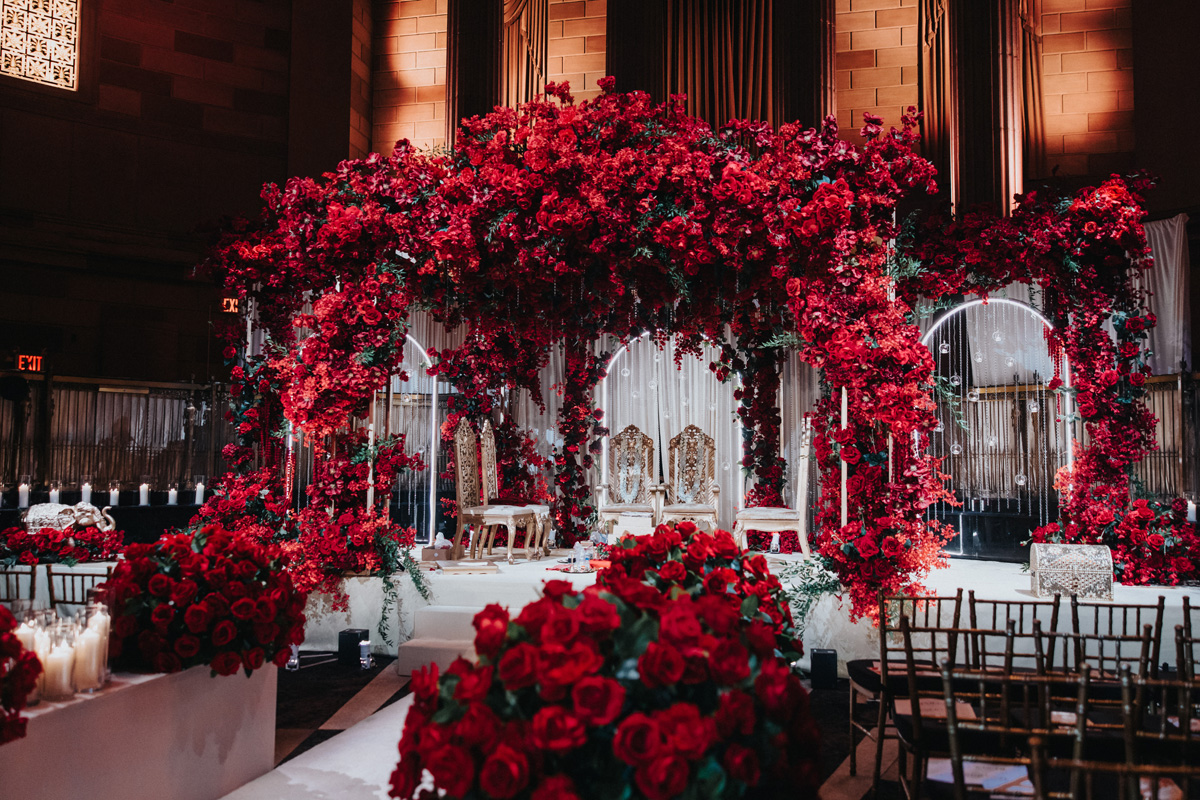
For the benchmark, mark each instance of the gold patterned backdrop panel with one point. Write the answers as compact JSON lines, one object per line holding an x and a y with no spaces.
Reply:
{"x":466,"y":466}
{"x":487,"y":449}
{"x":39,"y":41}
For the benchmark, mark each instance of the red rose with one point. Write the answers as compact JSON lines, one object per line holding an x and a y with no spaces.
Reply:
{"x":226,"y":663}
{"x":478,"y":726}
{"x":672,"y":572}
{"x":491,"y":626}
{"x":518,"y":666}
{"x":183,"y":592}
{"x":224,"y":633}
{"x":678,"y":623}
{"x":761,"y":638}
{"x":662,"y":778}
{"x":851,"y":455}
{"x":1155,"y":540}
{"x":660,"y":665}
{"x":598,"y":615}
{"x":688,"y":734}
{"x":187,"y":646}
{"x":1137,"y":379}
{"x":473,"y":682}
{"x":742,"y":764}
{"x":638,"y":741}
{"x":167,"y":662}
{"x":160,"y":585}
{"x":452,"y":768}
{"x":244,"y":608}
{"x":735,"y":714}
{"x":561,"y":667}
{"x":777,"y":688}
{"x":254,"y":658}
{"x":557,"y":731}
{"x":197,"y":618}
{"x":124,"y":626}
{"x":162,"y":615}
{"x":560,"y":627}
{"x":866,"y":547}
{"x":598,"y":701}
{"x":729,"y":663}
{"x":892,"y":547}
{"x":555,"y":787}
{"x":505,"y":773}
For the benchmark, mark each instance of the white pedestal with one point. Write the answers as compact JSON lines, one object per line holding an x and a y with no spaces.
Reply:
{"x":185,"y":736}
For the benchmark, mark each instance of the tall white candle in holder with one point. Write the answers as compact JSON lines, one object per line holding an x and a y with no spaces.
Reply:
{"x":199,"y":494}
{"x":172,"y":496}
{"x":23,"y":496}
{"x":59,"y":664}
{"x":99,"y":621}
{"x":26,"y":636}
{"x":85,"y":492}
{"x":144,"y":494}
{"x":54,"y":493}
{"x":89,"y":661}
{"x":114,"y":496}
{"x":41,"y":646}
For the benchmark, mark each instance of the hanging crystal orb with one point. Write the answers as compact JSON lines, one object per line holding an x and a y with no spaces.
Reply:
{"x":634,"y":395}
{"x":652,"y":384}
{"x":997,"y":336}
{"x":683,"y":402}
{"x":657,"y":357}
{"x":973,"y":396}
{"x":712,"y":406}
{"x":625,"y":372}
{"x":979,"y":358}
{"x":956,"y":449}
{"x":1020,"y":479}
{"x":1010,"y":361}
{"x":1034,"y":406}
{"x":955,"y":380}
{"x":992,"y":440}
{"x":666,"y":415}
{"x":939,"y":427}
{"x":944,"y":347}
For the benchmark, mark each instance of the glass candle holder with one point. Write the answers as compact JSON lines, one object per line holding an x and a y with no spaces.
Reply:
{"x":59,"y":663}
{"x":114,"y":493}
{"x":91,"y":650}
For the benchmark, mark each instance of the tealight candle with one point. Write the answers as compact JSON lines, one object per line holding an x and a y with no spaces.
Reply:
{"x":172,"y":496}
{"x":23,"y":496}
{"x":59,"y":664}
{"x":144,"y":494}
{"x":85,"y":492}
{"x":199,"y":494}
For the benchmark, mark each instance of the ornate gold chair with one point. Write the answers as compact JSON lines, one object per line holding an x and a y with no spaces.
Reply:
{"x":473,"y":510}
{"x":631,"y":488}
{"x":771,"y":519}
{"x":537,"y":536}
{"x":692,"y":491}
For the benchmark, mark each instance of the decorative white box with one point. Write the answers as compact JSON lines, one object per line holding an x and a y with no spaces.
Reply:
{"x":1085,"y":570}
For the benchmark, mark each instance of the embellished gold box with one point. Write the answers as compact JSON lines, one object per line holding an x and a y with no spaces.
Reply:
{"x":1085,"y":570}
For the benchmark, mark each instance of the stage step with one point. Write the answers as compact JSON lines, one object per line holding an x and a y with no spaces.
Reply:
{"x":417,"y":653}
{"x":445,"y":622}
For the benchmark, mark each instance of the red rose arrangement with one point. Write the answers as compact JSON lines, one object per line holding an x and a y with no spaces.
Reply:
{"x":19,"y":669}
{"x":211,"y":597}
{"x":69,"y":546}
{"x":664,"y":680}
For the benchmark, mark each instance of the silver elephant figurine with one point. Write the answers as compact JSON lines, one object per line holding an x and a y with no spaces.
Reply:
{"x":60,"y":517}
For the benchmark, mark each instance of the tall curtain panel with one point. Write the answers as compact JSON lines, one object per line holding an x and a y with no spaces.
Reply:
{"x":933,"y":68}
{"x":1033,"y":100}
{"x":523,"y":50}
{"x":719,"y":53}
{"x":1171,"y":339}
{"x":799,"y":391}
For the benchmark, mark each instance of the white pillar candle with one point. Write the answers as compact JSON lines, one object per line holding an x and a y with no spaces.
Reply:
{"x":85,"y":493}
{"x":89,"y":661}
{"x":199,"y":494}
{"x":59,"y":664}
{"x":26,"y":636}
{"x":1191,"y":517}
{"x":23,"y":496}
{"x":100,"y":623}
{"x":41,"y":646}
{"x":144,"y":494}
{"x":114,"y":497}
{"x":172,"y":497}
{"x":54,"y":495}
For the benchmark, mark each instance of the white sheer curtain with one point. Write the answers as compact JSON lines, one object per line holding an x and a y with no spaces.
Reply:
{"x":1171,"y":340}
{"x":799,"y":391}
{"x":645,"y":388}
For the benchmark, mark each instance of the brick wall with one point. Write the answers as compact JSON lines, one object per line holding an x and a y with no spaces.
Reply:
{"x":876,"y":61}
{"x":577,"y":45}
{"x":360,"y":79}
{"x":410,"y":74}
{"x":1088,"y":83}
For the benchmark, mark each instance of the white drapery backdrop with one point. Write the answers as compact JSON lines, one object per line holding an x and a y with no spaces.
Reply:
{"x":1171,"y":340}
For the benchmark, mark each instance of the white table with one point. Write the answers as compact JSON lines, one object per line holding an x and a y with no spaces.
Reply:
{"x":185,"y":736}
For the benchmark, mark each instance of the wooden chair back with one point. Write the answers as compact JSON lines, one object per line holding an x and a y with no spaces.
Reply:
{"x":1120,"y":620}
{"x":70,"y":587}
{"x":1161,"y":719}
{"x":632,"y":472}
{"x":988,"y":652}
{"x":18,"y":583}
{"x":927,"y":612}
{"x":691,"y":468}
{"x":1185,"y":653}
{"x":1104,"y":653}
{"x":466,"y":466}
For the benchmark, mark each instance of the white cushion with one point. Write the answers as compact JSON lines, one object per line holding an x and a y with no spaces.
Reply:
{"x":688,"y":508}
{"x":627,"y":508}
{"x":767,"y":513}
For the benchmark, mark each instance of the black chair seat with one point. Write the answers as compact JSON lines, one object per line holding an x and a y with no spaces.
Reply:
{"x":864,"y":673}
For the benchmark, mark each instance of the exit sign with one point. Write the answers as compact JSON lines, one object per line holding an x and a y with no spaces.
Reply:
{"x":229,"y":305}
{"x":29,"y":363}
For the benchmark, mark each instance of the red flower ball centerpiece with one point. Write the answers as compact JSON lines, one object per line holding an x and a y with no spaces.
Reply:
{"x":70,"y":546}
{"x":213,"y":597}
{"x":19,"y":669}
{"x":668,"y":678}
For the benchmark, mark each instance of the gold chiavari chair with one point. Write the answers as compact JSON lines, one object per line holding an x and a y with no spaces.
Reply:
{"x":18,"y":583}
